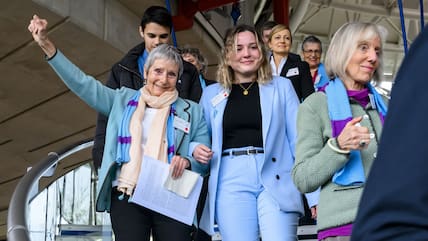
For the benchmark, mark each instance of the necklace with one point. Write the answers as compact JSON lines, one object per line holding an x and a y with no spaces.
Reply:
{"x":245,"y":90}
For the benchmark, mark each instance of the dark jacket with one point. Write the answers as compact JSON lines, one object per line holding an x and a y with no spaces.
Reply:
{"x":394,"y":203}
{"x":302,"y":82}
{"x":209,"y":81}
{"x":294,"y":56}
{"x":126,"y":73}
{"x":196,"y":89}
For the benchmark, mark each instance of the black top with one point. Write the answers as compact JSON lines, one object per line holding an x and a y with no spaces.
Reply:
{"x":242,"y":119}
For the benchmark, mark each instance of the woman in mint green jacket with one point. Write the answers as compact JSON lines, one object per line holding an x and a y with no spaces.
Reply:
{"x":152,"y":121}
{"x":338,"y":129}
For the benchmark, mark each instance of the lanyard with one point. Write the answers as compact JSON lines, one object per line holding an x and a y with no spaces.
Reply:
{"x":170,"y":133}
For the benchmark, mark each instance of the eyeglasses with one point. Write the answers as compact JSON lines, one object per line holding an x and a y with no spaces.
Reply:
{"x":311,"y":51}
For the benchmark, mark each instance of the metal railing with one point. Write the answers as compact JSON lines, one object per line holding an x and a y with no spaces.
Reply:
{"x":17,"y":227}
{"x":17,"y":223}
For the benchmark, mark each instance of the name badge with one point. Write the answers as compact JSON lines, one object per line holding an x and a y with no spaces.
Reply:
{"x":292,"y":72}
{"x":181,"y":124}
{"x":218,"y":98}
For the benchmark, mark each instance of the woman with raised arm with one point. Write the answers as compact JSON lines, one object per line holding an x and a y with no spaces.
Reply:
{"x":140,"y":123}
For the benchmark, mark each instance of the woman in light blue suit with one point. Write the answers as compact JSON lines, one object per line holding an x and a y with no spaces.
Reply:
{"x":252,"y":120}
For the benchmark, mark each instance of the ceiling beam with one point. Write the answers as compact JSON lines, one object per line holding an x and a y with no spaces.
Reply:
{"x":298,"y":15}
{"x":370,"y":9}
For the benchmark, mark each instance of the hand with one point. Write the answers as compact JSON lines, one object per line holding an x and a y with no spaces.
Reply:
{"x":178,"y":164}
{"x":354,"y":136}
{"x":38,"y":28}
{"x":314,"y":212}
{"x":202,"y":154}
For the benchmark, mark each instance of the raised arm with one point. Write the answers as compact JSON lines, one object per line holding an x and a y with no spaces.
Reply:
{"x":38,"y":28}
{"x":86,"y":87}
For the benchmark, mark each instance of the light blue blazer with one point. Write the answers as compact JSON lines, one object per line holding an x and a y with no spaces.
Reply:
{"x":279,"y":105}
{"x":111,"y":103}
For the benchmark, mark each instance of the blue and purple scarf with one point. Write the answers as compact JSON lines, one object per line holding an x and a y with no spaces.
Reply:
{"x":352,"y":174}
{"x":124,"y":136}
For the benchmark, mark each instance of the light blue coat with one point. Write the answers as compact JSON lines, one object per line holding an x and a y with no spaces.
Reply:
{"x":279,"y":105}
{"x":111,"y":103}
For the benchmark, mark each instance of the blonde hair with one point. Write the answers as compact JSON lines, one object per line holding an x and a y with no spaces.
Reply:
{"x":278,"y":28}
{"x":344,"y":44}
{"x":225,"y":74}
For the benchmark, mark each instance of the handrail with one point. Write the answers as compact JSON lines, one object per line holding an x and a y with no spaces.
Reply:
{"x":17,"y":228}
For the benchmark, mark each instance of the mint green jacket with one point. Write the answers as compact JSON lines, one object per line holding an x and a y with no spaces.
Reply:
{"x":111,"y":103}
{"x":316,"y":162}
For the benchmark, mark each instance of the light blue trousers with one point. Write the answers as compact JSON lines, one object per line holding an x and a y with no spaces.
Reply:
{"x":245,"y":211}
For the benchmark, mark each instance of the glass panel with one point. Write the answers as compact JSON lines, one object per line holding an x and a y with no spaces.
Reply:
{"x":36,"y":220}
{"x":65,"y":210}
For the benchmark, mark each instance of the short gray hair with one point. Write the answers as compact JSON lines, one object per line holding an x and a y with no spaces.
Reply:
{"x":344,"y":43}
{"x":167,"y":52}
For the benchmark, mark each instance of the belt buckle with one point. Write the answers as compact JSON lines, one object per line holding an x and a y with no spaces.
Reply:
{"x":251,"y":151}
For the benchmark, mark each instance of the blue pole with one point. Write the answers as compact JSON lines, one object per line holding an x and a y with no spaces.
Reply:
{"x":421,"y":7}
{"x":174,"y":39}
{"x":403,"y":26}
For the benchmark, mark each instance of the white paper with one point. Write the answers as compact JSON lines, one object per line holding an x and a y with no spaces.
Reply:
{"x":151,"y":194}
{"x":184,"y":185}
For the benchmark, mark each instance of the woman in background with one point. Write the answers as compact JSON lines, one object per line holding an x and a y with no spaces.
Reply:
{"x":195,"y":57}
{"x":312,"y":51}
{"x":280,"y":41}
